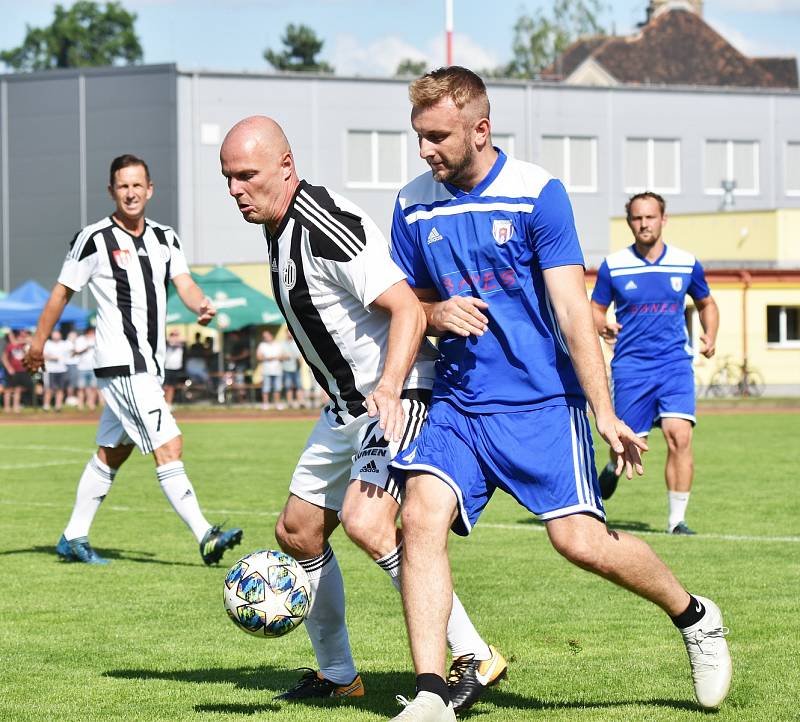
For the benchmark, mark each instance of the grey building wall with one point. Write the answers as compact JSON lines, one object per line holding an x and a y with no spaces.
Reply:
{"x":59,"y":131}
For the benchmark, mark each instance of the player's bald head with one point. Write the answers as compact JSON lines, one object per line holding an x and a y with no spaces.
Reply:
{"x":255,"y":135}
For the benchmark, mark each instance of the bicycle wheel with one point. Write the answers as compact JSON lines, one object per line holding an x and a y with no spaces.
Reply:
{"x":719,"y":386}
{"x":753,"y":384}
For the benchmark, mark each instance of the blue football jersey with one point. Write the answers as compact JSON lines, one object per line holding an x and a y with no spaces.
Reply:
{"x":493,"y":243}
{"x":649,"y":300}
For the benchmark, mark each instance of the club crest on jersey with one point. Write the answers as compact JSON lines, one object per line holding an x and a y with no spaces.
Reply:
{"x":122,"y":257}
{"x":502,"y":230}
{"x":289,"y":275}
{"x":677,"y":283}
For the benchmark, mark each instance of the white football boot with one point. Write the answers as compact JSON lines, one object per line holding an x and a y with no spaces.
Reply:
{"x":709,"y":656}
{"x":425,"y":707}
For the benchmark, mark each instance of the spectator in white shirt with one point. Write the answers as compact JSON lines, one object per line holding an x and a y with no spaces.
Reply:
{"x":295,"y":396}
{"x":83,"y":350}
{"x":270,"y":354}
{"x":56,"y":350}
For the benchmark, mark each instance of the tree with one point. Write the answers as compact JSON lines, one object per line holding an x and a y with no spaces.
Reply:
{"x":409,"y":66}
{"x":540,"y":38}
{"x":301,"y":48}
{"x":84,"y":35}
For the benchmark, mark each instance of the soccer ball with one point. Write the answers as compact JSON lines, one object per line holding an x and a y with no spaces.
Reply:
{"x":267,"y":593}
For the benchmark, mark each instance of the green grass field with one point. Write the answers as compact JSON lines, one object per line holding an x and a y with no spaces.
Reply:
{"x":146,"y":638}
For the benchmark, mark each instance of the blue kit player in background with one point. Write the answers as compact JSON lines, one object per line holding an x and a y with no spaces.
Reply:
{"x":651,"y":370}
{"x":490,"y":247}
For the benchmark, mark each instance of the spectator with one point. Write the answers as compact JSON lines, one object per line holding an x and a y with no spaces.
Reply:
{"x":197,"y":361}
{"x":173,"y":365}
{"x":71,"y":359}
{"x":87,"y":381}
{"x":270,"y":354}
{"x":238,"y":357}
{"x":295,"y":396}
{"x":17,"y":379}
{"x":56,"y":352}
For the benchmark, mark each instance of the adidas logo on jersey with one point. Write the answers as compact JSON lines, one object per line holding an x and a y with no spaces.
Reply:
{"x":142,"y":252}
{"x":434,"y":236}
{"x":371,"y":468}
{"x":274,"y":266}
{"x":630,"y":285}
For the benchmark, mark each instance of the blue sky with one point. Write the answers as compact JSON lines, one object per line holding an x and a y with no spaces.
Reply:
{"x":369,"y":37}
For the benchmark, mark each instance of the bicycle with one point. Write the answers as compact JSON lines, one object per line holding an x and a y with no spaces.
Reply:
{"x":734,"y":379}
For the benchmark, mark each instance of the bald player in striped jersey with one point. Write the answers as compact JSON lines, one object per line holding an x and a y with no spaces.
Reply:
{"x":359,"y":328}
{"x":127,"y":260}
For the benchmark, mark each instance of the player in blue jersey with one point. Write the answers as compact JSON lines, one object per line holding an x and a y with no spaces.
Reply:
{"x":652,"y":365}
{"x":489,"y":245}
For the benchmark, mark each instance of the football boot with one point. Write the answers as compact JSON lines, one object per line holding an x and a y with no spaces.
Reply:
{"x":709,"y":656}
{"x":469,"y":678}
{"x":425,"y":707}
{"x":78,"y":550}
{"x":313,"y":685}
{"x":216,"y":541}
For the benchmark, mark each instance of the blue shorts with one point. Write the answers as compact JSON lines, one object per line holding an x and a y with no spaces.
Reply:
{"x":270,"y":384}
{"x":543,"y":458}
{"x":642,"y":402}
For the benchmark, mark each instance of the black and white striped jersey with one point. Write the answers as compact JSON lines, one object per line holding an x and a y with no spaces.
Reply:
{"x":329,"y":262}
{"x":128,"y":277}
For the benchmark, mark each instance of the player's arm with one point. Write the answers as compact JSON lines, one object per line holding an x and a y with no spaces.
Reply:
{"x":567,"y":290}
{"x":193,"y":298}
{"x":708,"y":311}
{"x":607,"y":331}
{"x":59,"y":298}
{"x":406,"y":331}
{"x":461,"y":315}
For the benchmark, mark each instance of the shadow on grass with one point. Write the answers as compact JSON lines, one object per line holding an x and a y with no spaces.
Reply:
{"x":139,"y":557}
{"x":621,"y":524}
{"x":380,"y":697}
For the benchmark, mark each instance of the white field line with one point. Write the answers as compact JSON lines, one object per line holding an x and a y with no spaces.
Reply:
{"x":483,"y":525}
{"x":38,"y":447}
{"x":40,"y":465}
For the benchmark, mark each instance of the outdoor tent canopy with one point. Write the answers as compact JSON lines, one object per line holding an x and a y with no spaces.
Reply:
{"x":238,"y":305}
{"x":22,"y":307}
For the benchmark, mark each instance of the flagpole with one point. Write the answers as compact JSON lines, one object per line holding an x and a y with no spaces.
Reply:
{"x":448,"y":27}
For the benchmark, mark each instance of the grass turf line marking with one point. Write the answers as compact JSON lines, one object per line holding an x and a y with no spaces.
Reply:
{"x":487,"y":525}
{"x":40,"y":465}
{"x":38,"y":447}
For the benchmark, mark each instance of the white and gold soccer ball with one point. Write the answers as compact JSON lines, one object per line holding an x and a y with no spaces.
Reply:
{"x":267,"y":593}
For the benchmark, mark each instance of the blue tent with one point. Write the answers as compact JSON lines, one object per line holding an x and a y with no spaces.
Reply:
{"x":21,"y":308}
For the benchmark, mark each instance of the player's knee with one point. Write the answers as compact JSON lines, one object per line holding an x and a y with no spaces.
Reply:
{"x":297,"y":540}
{"x":580,"y":551}
{"x":370,"y":533}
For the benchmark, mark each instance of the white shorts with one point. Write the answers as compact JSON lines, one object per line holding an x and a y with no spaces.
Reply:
{"x":336,"y":454}
{"x":135,"y":413}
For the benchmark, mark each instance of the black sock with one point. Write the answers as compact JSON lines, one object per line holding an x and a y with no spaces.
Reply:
{"x":691,"y":615}
{"x":433,"y":683}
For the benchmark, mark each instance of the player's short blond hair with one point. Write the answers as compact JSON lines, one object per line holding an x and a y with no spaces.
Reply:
{"x":459,"y":84}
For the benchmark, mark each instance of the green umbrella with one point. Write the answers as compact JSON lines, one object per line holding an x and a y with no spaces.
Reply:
{"x":238,"y":305}
{"x":2,"y":294}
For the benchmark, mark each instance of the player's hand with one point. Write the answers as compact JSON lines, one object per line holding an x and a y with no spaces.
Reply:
{"x":610,"y":333}
{"x":709,"y":347}
{"x":626,"y":445}
{"x":385,"y":403}
{"x":461,"y":315}
{"x":206,"y":312}
{"x":34,"y":357}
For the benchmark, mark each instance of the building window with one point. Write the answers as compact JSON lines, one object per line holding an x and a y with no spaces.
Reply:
{"x":783,"y":326}
{"x":573,"y":159}
{"x":505,"y":142}
{"x":652,"y":164}
{"x":376,"y":159}
{"x":792,"y":165}
{"x":727,"y":161}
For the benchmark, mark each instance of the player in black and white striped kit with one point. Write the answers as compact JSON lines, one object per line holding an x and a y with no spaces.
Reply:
{"x":360,"y":329}
{"x":127,"y":261}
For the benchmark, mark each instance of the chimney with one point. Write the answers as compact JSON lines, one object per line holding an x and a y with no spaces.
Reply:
{"x":658,"y":6}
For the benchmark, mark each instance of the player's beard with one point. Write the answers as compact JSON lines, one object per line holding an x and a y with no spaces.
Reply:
{"x":456,"y":169}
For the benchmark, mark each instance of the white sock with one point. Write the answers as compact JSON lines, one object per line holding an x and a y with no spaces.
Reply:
{"x":180,"y":493}
{"x":325,"y":622}
{"x":678,"y":501}
{"x":95,"y":483}
{"x":462,"y":637}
